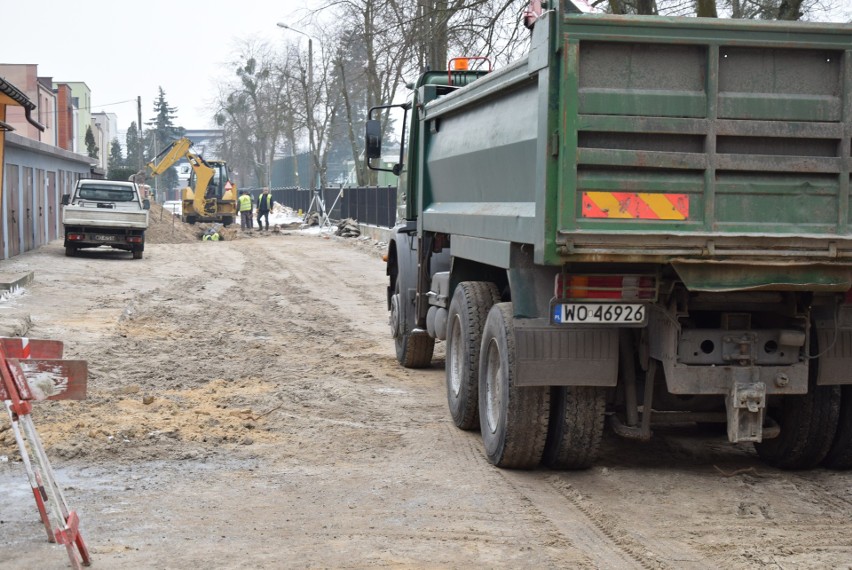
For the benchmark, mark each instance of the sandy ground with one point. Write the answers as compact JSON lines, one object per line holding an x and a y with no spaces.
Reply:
{"x":245,"y":410}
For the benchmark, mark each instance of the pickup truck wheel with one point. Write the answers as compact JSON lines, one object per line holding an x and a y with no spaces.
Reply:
{"x":468,"y":310}
{"x":576,"y":426}
{"x":513,"y":419}
{"x":808,"y":426}
{"x":70,"y":251}
{"x":840,"y":454}
{"x":413,"y":350}
{"x":137,"y":254}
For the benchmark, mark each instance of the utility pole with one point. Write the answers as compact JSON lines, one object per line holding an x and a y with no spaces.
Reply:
{"x":139,"y":119}
{"x":310,"y":110}
{"x":314,"y":167}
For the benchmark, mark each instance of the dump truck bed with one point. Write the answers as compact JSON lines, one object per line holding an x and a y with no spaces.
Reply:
{"x":651,"y":140}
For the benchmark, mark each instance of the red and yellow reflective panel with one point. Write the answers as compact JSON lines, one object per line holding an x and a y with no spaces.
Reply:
{"x":635,"y":205}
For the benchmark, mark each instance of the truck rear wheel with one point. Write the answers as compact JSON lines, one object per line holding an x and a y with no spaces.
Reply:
{"x":808,"y":426}
{"x":576,"y":426}
{"x":468,"y":310}
{"x":137,"y":254}
{"x":513,"y":419}
{"x":70,"y":251}
{"x":840,"y":454}
{"x":413,"y":350}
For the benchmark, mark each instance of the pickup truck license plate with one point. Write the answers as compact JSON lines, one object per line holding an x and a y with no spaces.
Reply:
{"x":599,"y":313}
{"x":104,"y":237}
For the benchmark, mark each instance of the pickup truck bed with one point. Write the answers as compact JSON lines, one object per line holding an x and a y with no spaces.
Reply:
{"x":102,"y":212}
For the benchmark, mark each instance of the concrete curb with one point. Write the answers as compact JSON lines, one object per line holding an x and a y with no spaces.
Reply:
{"x":12,"y":281}
{"x":375,"y":232}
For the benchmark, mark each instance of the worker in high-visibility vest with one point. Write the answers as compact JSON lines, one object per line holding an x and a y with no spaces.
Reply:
{"x":245,"y":211}
{"x":264,"y":206}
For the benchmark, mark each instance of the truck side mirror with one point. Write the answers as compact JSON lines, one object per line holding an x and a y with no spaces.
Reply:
{"x":66,"y":199}
{"x":373,"y":146}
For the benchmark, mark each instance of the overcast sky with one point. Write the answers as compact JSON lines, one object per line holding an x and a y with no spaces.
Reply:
{"x":122,"y":50}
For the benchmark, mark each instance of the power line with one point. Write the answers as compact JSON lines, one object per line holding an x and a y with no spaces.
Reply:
{"x":111,"y":104}
{"x":90,"y":107}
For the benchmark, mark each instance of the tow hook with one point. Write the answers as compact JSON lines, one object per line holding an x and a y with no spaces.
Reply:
{"x":746,"y":405}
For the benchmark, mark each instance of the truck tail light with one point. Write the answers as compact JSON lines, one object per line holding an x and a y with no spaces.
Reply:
{"x":134,"y":239}
{"x":76,"y":237}
{"x":610,"y":287}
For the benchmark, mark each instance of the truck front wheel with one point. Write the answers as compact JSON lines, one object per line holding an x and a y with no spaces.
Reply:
{"x":513,"y":419}
{"x":576,"y":426}
{"x":468,"y":311}
{"x":413,"y":350}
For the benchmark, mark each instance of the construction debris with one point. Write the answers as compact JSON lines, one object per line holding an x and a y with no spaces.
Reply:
{"x":348,"y":228}
{"x":312,"y":219}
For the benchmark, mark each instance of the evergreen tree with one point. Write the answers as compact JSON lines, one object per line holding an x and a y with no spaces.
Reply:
{"x":116,"y":158}
{"x":162,"y":131}
{"x":132,"y":144}
{"x":118,"y":169}
{"x":91,"y":148}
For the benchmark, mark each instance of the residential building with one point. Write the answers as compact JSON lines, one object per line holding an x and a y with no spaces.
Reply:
{"x":81,"y":100}
{"x":105,"y":129}
{"x":65,"y":114}
{"x":39,"y":90}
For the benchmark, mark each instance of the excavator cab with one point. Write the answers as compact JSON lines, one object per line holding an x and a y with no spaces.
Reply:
{"x":216,"y":184}
{"x":219,"y":199}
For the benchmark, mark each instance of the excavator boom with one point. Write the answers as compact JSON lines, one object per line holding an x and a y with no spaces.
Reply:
{"x":212,"y":197}
{"x":170,"y":156}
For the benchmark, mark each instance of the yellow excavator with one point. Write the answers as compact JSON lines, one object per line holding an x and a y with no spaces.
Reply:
{"x":211,"y":196}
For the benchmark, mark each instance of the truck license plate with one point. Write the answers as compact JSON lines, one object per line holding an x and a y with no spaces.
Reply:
{"x":104,"y":237}
{"x":599,"y":313}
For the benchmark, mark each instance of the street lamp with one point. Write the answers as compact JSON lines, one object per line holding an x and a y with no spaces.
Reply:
{"x":310,"y":92}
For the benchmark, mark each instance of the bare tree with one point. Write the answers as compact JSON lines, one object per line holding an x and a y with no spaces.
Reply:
{"x":254,"y":110}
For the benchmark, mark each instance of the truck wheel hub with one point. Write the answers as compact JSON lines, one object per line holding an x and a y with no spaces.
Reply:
{"x":395,"y":316}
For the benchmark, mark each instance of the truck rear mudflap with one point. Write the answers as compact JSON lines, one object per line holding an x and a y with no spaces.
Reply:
{"x":548,"y":355}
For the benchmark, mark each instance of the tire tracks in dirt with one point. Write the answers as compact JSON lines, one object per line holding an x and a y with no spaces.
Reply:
{"x":577,"y":522}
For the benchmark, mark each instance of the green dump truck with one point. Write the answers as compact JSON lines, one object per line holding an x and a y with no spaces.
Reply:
{"x":645,"y":222}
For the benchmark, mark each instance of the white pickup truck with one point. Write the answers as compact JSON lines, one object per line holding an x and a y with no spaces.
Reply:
{"x":105,"y":213}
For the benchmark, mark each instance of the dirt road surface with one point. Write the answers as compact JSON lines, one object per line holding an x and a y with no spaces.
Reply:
{"x":280,"y":432}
